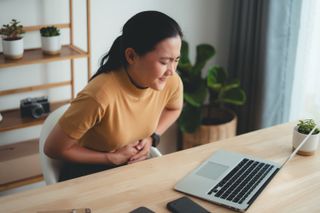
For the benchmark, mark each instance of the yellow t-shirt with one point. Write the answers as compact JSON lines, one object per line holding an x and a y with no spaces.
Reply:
{"x":110,"y":112}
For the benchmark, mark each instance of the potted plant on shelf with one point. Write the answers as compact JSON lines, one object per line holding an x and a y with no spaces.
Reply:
{"x":12,"y":40}
{"x":303,"y":128}
{"x":199,"y":122}
{"x":50,"y":40}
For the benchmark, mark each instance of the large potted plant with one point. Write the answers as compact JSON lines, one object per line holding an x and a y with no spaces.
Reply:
{"x":50,"y":40}
{"x":12,"y":40}
{"x":205,"y":120}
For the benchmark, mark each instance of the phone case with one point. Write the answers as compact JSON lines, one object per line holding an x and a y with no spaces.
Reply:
{"x":142,"y":209}
{"x":185,"y":205}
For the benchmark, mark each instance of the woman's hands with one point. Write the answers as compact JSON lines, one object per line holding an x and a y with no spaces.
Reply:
{"x":131,"y":153}
{"x":123,"y":155}
{"x":143,"y":148}
{"x":61,"y":146}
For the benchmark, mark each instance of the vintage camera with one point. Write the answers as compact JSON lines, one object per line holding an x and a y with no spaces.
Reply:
{"x":34,"y":107}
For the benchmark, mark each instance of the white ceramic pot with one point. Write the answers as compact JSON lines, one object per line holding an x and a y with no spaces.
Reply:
{"x":311,"y":145}
{"x":51,"y":45}
{"x":13,"y":49}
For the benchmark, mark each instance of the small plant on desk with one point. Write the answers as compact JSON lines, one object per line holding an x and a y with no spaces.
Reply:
{"x":303,"y":128}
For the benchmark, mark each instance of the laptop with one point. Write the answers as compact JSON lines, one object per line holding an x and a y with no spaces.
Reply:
{"x":232,"y":179}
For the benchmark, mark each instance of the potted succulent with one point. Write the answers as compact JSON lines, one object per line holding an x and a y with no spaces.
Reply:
{"x":12,"y":40}
{"x":199,"y":122}
{"x":50,"y":40}
{"x":303,"y":128}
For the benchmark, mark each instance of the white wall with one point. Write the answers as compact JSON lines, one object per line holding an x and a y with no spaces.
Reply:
{"x":202,"y":21}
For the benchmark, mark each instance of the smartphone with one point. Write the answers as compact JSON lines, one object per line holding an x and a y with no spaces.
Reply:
{"x":185,"y":205}
{"x":142,"y":209}
{"x":83,"y":210}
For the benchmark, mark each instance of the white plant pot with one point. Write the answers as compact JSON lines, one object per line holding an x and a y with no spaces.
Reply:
{"x":311,"y":145}
{"x":51,"y":45}
{"x":12,"y":49}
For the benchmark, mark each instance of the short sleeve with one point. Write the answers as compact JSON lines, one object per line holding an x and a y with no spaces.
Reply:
{"x":175,"y":100}
{"x":83,"y":113}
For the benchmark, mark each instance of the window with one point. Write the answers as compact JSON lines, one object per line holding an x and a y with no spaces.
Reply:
{"x":305,"y":100}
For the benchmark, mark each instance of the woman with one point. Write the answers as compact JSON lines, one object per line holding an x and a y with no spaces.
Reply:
{"x":132,"y":99}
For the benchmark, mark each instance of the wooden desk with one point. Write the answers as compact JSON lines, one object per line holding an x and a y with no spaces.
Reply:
{"x":150,"y":183}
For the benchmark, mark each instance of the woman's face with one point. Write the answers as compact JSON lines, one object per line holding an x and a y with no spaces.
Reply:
{"x":152,"y":69}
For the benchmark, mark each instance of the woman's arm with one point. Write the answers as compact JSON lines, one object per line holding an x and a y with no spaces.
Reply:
{"x":60,"y":146}
{"x":167,"y":118}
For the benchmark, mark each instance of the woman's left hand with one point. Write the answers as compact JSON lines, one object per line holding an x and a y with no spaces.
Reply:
{"x":143,"y":148}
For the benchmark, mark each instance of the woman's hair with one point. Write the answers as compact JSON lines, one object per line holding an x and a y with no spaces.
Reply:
{"x":142,"y":32}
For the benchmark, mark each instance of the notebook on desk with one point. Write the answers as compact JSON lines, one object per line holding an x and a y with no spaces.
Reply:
{"x":231,"y":179}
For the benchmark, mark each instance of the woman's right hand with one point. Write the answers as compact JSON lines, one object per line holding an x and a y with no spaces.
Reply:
{"x":123,"y":155}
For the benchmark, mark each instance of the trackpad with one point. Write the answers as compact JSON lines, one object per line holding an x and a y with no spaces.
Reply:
{"x":212,"y":170}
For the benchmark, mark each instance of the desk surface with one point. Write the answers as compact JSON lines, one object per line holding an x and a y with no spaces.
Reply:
{"x":150,"y":183}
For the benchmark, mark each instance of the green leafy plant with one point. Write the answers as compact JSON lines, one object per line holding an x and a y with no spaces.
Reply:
{"x":223,"y":90}
{"x":305,"y":126}
{"x":197,"y":87}
{"x":49,"y":31}
{"x":12,"y":31}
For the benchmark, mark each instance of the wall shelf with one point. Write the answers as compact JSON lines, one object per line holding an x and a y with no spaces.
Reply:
{"x":34,"y":88}
{"x":21,"y":163}
{"x":12,"y":119}
{"x":35,"y":56}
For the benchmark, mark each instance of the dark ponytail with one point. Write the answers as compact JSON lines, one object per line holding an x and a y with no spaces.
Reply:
{"x":113,"y":59}
{"x":142,"y":32}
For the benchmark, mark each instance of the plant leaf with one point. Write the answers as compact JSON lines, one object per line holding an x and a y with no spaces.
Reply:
{"x":184,"y":62}
{"x":196,"y":96}
{"x":216,"y":78}
{"x":231,"y":85}
{"x":204,"y":53}
{"x":190,"y":119}
{"x":234,"y":96}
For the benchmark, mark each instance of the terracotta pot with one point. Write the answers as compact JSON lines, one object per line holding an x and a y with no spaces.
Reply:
{"x":213,"y":132}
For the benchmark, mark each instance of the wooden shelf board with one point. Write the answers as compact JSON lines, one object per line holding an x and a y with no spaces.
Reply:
{"x":12,"y":119}
{"x":19,"y":149}
{"x":35,"y":56}
{"x":34,"y":88}
{"x":19,"y":183}
{"x":38,"y":27}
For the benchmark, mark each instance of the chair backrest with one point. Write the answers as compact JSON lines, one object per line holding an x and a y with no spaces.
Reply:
{"x":51,"y":167}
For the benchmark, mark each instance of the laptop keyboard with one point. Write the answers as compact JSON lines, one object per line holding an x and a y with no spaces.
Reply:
{"x":241,"y":181}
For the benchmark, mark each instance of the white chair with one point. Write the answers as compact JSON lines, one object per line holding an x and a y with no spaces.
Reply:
{"x":51,"y":167}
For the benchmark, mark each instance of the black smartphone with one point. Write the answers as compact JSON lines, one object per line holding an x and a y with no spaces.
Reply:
{"x":142,"y":209}
{"x":185,"y":205}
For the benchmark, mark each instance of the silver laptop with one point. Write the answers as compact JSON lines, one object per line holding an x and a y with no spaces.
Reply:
{"x":231,"y":179}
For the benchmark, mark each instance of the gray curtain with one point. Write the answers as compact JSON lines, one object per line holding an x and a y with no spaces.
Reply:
{"x":262,"y":55}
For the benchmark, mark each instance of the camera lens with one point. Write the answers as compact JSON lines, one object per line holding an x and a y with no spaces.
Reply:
{"x":37,"y":110}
